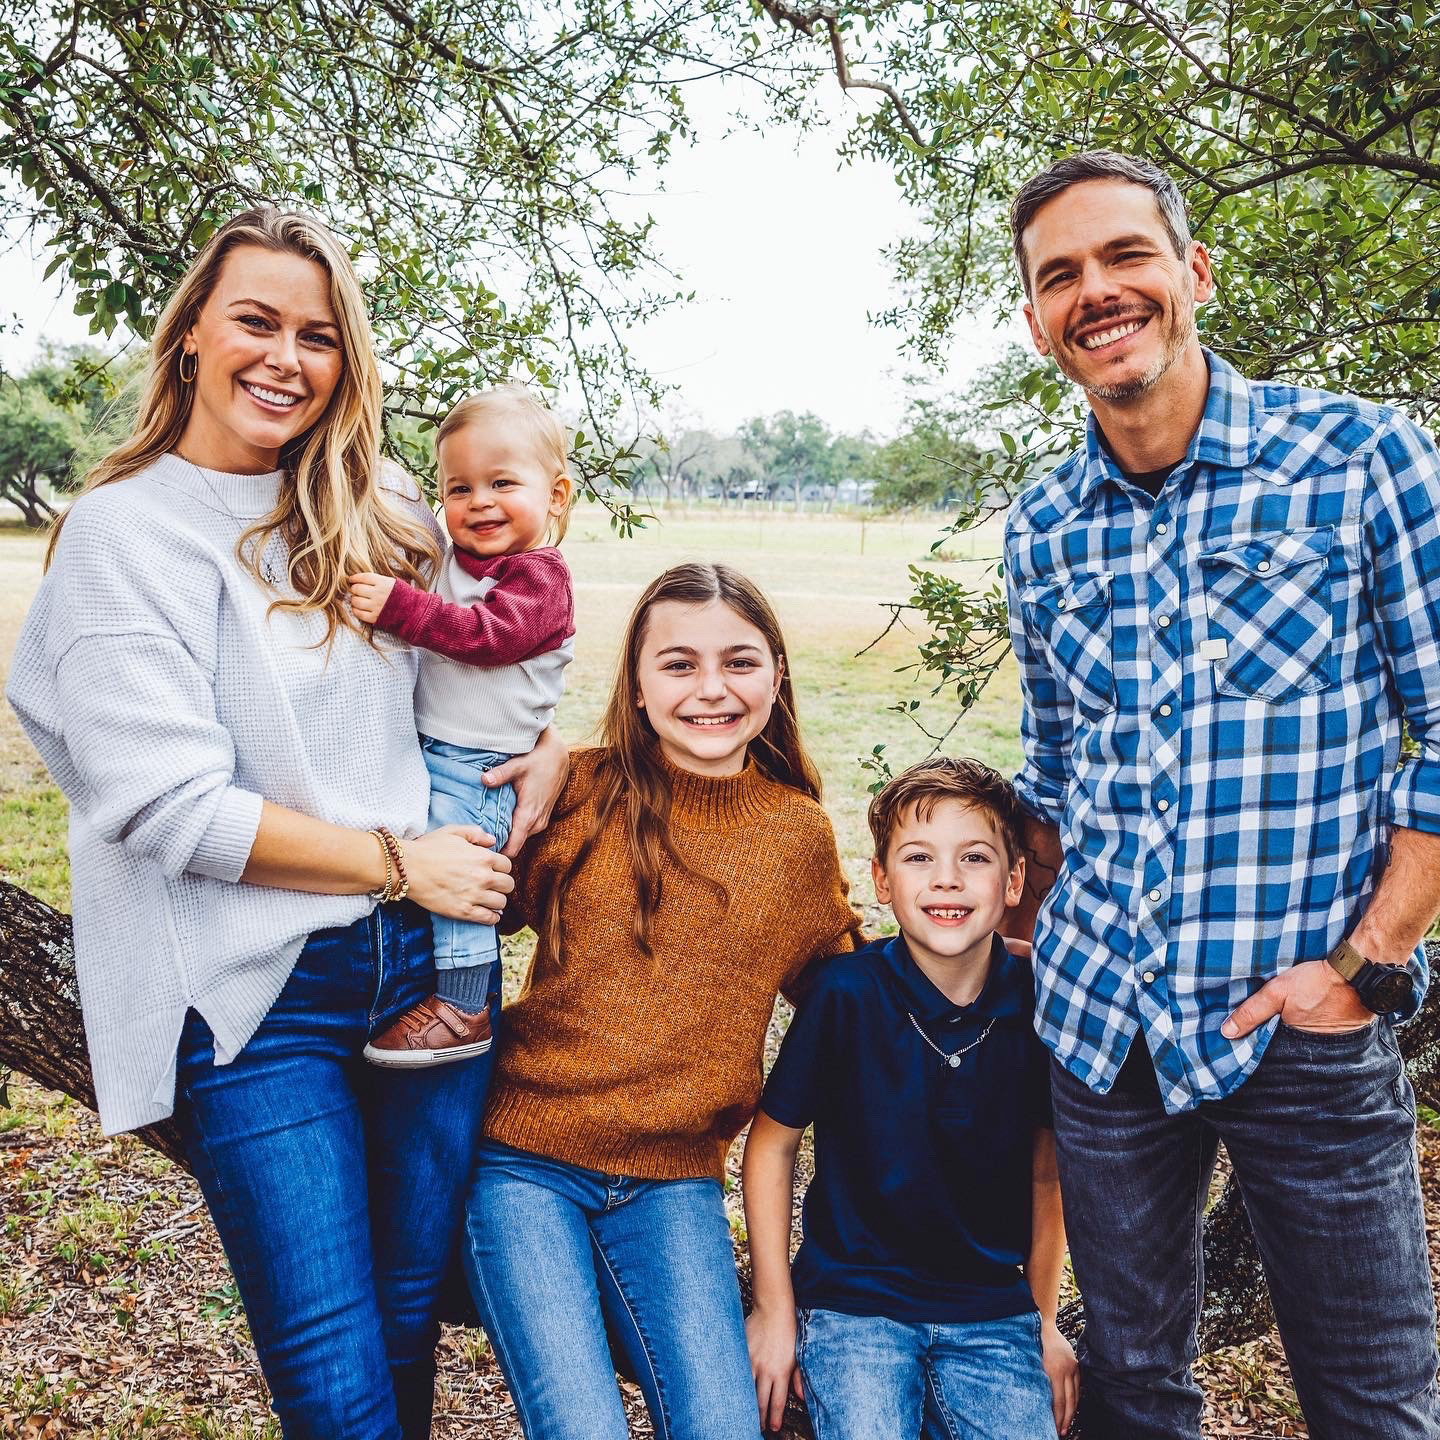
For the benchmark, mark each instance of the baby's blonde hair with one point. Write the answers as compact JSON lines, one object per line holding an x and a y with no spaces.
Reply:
{"x":542,"y":428}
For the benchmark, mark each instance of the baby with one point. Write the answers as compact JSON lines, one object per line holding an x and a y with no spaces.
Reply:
{"x":495,"y":637}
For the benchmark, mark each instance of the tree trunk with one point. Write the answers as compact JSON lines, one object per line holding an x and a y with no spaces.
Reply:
{"x":23,"y":491}
{"x":41,"y":1036}
{"x":40,"y":1030}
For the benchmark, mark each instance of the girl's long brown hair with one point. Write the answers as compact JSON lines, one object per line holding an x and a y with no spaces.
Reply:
{"x":335,"y":516}
{"x":631,"y":776}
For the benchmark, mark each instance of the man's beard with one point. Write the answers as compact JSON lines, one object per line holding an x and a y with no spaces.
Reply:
{"x":1179,"y":337}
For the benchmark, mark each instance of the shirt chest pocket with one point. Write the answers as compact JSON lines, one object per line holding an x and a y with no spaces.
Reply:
{"x":1072,"y":618}
{"x":1268,"y":609}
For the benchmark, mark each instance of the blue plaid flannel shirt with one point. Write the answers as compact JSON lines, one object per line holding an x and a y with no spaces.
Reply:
{"x":1214,"y":683}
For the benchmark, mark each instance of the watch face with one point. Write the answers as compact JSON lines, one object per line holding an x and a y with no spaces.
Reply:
{"x":1387,"y":988}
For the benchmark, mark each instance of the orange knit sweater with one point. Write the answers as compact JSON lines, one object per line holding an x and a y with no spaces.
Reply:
{"x":649,"y":1067}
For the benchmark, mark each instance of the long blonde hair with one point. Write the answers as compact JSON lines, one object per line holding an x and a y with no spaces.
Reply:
{"x":332,"y":513}
{"x":631,"y":775}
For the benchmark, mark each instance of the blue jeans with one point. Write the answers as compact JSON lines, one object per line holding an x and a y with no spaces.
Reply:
{"x":337,"y":1189}
{"x":458,"y":797}
{"x":554,"y":1252}
{"x":1322,"y":1141}
{"x":866,"y":1377}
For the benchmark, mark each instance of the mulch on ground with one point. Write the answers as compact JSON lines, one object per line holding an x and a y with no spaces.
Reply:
{"x":118,"y":1316}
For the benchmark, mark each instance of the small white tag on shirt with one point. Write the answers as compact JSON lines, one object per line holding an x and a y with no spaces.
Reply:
{"x":1214,"y":649}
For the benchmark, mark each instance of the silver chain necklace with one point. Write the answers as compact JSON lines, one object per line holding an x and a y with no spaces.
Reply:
{"x":950,"y":1057}
{"x":267,"y":566}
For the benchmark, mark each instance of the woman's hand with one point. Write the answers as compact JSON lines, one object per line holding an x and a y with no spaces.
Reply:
{"x":1058,"y":1357}
{"x":538,"y":778}
{"x":771,"y":1338}
{"x":455,"y":871}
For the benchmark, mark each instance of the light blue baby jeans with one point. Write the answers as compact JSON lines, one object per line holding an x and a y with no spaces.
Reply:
{"x":458,"y":797}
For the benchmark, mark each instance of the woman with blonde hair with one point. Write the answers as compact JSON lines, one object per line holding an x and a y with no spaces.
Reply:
{"x":247,"y":799}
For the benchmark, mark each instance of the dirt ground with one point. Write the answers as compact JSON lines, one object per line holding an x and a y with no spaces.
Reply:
{"x":118,"y":1316}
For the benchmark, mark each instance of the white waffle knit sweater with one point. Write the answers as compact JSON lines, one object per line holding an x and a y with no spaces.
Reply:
{"x":168,"y":705}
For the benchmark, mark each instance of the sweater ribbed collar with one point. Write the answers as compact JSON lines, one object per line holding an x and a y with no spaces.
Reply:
{"x":243,"y":497}
{"x":481,"y":567}
{"x":727,"y":802}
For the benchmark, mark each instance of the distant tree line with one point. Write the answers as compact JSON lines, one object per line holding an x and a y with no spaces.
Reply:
{"x":63,"y":410}
{"x":795,"y":461}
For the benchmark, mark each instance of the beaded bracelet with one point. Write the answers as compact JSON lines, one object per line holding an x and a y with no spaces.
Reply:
{"x":397,"y":854}
{"x":397,"y":882}
{"x":383,"y":893}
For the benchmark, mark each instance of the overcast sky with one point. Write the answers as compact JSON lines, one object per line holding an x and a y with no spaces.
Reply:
{"x":782,"y":246}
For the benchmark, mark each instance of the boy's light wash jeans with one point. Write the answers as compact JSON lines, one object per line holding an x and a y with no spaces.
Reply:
{"x":867,"y":1377}
{"x":556,"y":1254}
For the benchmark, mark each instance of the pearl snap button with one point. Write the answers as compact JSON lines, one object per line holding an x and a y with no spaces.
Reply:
{"x":1148,"y":977}
{"x":1263,"y":566}
{"x":1163,"y":621}
{"x":1162,"y":805}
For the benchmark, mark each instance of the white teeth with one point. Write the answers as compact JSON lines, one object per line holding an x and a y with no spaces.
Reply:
{"x":274,"y":397}
{"x":947,"y":913}
{"x":707,"y":719}
{"x":1106,"y":337}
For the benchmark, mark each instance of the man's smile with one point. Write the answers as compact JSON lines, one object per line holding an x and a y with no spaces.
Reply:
{"x":1100,"y":339}
{"x":1106,"y":330}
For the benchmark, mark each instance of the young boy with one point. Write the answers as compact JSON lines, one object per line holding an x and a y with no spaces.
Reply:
{"x":495,"y":638}
{"x":929,"y":1274}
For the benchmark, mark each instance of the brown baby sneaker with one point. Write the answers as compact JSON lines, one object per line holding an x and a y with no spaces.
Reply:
{"x":433,"y":1032}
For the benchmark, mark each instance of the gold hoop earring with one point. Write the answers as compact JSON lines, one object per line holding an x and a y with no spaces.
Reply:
{"x":194,"y":359}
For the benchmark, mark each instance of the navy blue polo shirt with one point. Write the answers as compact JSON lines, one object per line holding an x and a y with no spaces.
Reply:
{"x":920,"y":1206}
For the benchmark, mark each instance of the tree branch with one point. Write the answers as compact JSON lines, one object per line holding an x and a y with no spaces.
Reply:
{"x":828,"y":16}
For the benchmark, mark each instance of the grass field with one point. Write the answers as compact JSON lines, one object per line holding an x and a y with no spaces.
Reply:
{"x":829,"y":579}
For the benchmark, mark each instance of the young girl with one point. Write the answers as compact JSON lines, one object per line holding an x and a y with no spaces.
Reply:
{"x":494,"y":638}
{"x":689,"y":874}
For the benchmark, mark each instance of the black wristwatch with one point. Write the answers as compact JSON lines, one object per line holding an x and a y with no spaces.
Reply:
{"x":1381,"y":988}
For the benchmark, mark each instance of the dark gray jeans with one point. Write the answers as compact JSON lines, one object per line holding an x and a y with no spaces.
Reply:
{"x":1322,"y":1141}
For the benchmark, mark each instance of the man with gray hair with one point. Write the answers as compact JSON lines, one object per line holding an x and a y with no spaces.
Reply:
{"x":1224,"y":605}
